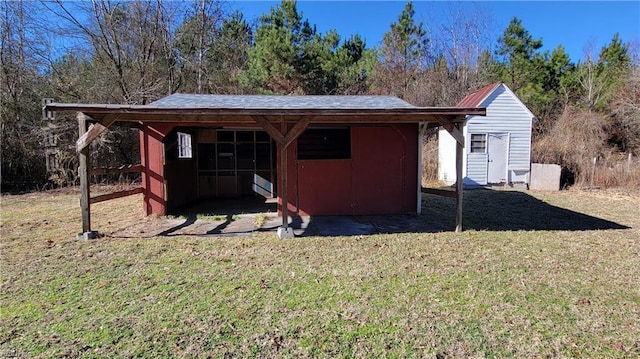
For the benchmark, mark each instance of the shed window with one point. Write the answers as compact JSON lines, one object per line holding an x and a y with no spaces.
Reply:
{"x":478,"y":143}
{"x":325,"y":144}
{"x":184,"y":145}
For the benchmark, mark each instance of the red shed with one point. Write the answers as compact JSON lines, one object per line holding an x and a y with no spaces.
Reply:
{"x":322,"y":155}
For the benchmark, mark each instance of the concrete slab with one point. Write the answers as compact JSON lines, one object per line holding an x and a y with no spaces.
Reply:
{"x":338,"y":226}
{"x":245,"y":224}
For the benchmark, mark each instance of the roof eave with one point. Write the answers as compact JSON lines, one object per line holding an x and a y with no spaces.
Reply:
{"x":127,"y":111}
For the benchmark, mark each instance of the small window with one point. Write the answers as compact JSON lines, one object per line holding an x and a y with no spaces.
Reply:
{"x":184,"y":145}
{"x":478,"y":143}
{"x":324,"y":144}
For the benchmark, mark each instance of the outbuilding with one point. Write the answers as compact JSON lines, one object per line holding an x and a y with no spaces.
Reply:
{"x":319,"y":155}
{"x":498,"y":145}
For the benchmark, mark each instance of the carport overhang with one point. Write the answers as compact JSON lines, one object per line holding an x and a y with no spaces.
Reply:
{"x":283,"y":125}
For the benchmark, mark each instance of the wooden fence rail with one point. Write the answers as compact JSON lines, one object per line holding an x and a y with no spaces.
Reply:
{"x":114,"y":195}
{"x":118,"y":170}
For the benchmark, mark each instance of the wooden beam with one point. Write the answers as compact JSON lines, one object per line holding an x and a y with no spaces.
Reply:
{"x":95,"y":130}
{"x":296,"y":130}
{"x":114,"y":195}
{"x":459,"y":182}
{"x":283,"y":186}
{"x":452,"y":129}
{"x":284,"y":231}
{"x":163,"y":111}
{"x":222,"y":119}
{"x":121,"y":169}
{"x":83,"y":173}
{"x":441,"y":192}
{"x":271,"y":129}
{"x":329,"y":118}
{"x":283,"y":138}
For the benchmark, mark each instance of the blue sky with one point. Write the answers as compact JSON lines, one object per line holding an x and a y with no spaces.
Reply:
{"x":577,"y":25}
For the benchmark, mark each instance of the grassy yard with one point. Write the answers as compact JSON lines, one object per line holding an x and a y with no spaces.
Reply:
{"x":554,"y":284}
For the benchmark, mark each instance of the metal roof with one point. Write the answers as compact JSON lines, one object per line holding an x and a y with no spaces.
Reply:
{"x":475,"y":98}
{"x":180,"y":100}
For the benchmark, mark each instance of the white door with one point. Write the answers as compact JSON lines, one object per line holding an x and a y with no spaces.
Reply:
{"x":497,"y":145}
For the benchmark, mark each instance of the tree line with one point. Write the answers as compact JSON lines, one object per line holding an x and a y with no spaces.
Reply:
{"x":134,"y":52}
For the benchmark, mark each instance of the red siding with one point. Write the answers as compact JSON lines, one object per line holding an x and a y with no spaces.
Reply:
{"x":152,"y":160}
{"x":380,"y":177}
{"x":325,"y":187}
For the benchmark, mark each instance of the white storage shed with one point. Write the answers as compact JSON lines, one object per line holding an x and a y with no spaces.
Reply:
{"x":497,"y":147}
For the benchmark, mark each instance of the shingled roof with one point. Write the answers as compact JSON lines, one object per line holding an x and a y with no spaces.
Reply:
{"x":195,"y":108}
{"x":317,"y":102}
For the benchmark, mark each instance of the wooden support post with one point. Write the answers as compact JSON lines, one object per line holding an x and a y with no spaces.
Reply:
{"x":83,"y":173}
{"x":284,"y":231}
{"x":284,"y":184}
{"x":459,"y":180}
{"x":284,"y":138}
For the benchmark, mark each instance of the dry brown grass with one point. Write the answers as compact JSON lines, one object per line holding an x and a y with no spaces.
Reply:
{"x":497,"y":293}
{"x":430,"y":158}
{"x":576,"y":139}
{"x":614,"y":171}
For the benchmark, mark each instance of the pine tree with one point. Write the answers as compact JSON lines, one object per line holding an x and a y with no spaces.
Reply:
{"x":518,"y":50}
{"x":290,"y":57}
{"x":600,"y":79}
{"x":274,"y":60}
{"x":403,"y":54}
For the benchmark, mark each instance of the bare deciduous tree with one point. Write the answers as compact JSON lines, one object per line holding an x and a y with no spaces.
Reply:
{"x":463,"y":40}
{"x":21,"y":86}
{"x":129,"y":42}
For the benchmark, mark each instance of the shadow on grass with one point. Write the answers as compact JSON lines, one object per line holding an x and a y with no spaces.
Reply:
{"x":495,"y":210}
{"x":189,"y":220}
{"x":331,"y":226}
{"x":491,"y":210}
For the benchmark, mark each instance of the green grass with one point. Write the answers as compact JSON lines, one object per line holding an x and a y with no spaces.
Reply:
{"x":260,"y":219}
{"x":214,"y":217}
{"x":482,"y":293}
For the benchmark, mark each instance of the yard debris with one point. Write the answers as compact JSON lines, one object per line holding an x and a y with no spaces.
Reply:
{"x":584,"y":301}
{"x":277,"y":341}
{"x":263,"y":284}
